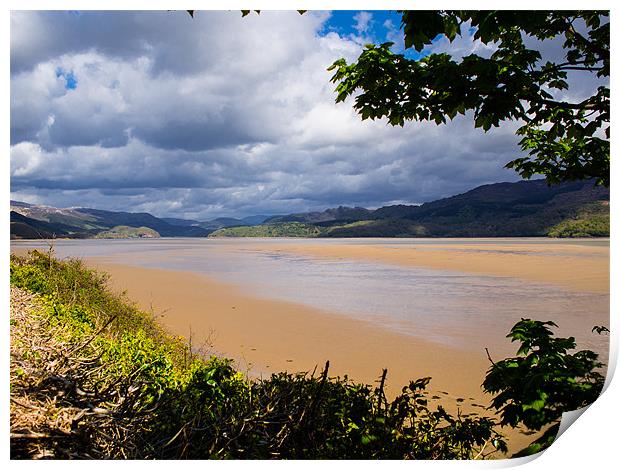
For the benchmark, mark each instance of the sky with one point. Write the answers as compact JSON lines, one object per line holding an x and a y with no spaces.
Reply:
{"x":220,"y":115}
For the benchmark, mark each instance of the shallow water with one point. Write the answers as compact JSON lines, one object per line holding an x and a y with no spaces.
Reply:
{"x":447,"y":307}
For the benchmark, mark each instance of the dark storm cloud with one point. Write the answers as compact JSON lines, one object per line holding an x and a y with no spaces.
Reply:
{"x":156,"y":112}
{"x":133,"y":166}
{"x":42,"y":36}
{"x":196,"y":134}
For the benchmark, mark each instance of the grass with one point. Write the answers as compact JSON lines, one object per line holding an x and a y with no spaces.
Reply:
{"x":105,"y":381}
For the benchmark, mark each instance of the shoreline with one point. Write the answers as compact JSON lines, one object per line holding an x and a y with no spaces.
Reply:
{"x":265,"y":336}
{"x":229,"y":324}
{"x":277,"y":336}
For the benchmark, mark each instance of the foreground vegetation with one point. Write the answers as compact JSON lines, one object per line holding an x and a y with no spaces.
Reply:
{"x":102,"y":380}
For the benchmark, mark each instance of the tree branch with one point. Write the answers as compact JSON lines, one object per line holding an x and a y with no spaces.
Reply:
{"x":584,"y":105}
{"x":602,"y":53}
{"x":588,"y":69}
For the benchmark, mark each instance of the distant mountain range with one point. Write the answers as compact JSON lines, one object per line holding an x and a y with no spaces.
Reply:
{"x":341,"y":214}
{"x":37,"y":221}
{"x":525,"y":208}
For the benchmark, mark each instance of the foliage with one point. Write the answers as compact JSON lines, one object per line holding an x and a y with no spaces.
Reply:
{"x":543,"y":381}
{"x":72,"y":284}
{"x":300,"y":416}
{"x":600,"y":329}
{"x":565,"y":140}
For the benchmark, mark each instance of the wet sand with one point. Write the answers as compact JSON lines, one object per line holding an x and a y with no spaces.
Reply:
{"x":577,"y":268}
{"x":265,"y":336}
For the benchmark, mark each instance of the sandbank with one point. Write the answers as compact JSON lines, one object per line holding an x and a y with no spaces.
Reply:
{"x":265,"y":336}
{"x":573,"y":267}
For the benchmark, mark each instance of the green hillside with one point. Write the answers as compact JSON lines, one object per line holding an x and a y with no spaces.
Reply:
{"x":392,"y":227}
{"x":123,"y":231}
{"x":340,"y":213}
{"x":521,"y":209}
{"x":285,"y":229}
{"x":526,"y":208}
{"x":28,"y":228}
{"x":591,"y":221}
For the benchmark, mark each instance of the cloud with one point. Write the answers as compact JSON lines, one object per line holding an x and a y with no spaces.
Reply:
{"x":363,"y":19}
{"x":220,"y":115}
{"x":394,"y":34}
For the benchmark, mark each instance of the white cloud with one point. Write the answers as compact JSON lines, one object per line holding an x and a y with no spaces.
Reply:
{"x":363,"y":19}
{"x":220,"y":115}
{"x":462,"y":45}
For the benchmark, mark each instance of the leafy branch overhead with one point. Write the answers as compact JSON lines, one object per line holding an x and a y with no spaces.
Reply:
{"x":562,"y":139}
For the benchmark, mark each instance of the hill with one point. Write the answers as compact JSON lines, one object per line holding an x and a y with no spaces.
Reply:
{"x":143,"y":219}
{"x":37,"y":221}
{"x":255,"y":219}
{"x":181,"y":222}
{"x":33,"y":221}
{"x":281,"y":229}
{"x":339,"y":214}
{"x":526,"y":208}
{"x":123,"y":231}
{"x":221,"y":222}
{"x":589,"y":222}
{"x":26,"y":227}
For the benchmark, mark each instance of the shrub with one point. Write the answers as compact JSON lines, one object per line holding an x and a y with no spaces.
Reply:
{"x":543,"y":381}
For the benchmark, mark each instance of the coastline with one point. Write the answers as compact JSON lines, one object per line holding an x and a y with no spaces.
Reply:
{"x":266,"y":336}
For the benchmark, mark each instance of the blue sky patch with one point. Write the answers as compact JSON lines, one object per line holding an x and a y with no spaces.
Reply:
{"x":69,"y":77}
{"x":377,"y":26}
{"x":344,"y":22}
